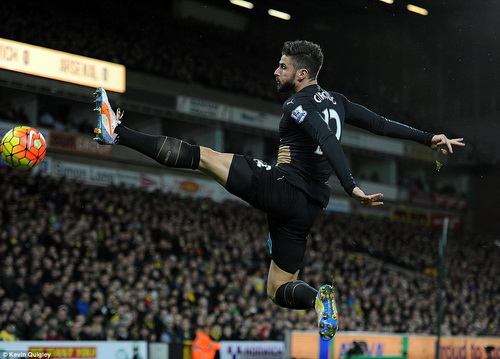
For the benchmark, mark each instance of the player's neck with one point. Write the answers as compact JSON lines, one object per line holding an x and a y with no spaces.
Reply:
{"x":302,"y":84}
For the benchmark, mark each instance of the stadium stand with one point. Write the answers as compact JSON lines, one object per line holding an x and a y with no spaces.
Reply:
{"x":81,"y":262}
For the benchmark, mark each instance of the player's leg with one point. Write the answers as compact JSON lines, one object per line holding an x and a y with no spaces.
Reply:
{"x":168,"y":151}
{"x":290,"y":220}
{"x":175,"y":153}
{"x":287,"y":291}
{"x":287,"y":245}
{"x":215,"y":164}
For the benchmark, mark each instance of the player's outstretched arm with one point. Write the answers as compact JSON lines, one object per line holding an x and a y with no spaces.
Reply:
{"x":367,"y":199}
{"x":444,"y":145}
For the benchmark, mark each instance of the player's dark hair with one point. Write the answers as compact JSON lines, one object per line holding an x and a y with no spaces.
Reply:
{"x":305,"y":55}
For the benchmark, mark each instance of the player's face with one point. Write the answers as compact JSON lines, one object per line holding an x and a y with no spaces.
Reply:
{"x":285,"y":75}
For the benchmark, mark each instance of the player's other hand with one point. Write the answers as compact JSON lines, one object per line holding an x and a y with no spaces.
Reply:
{"x":367,"y":199}
{"x":443,"y":145}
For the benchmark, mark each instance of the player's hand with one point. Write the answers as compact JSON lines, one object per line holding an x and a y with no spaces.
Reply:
{"x":444,"y":145}
{"x":367,"y":200}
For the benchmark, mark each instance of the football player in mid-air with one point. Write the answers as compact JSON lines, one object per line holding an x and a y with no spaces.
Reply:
{"x":294,"y":191}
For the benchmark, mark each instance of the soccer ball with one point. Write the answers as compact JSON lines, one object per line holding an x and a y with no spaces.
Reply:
{"x":23,"y":147}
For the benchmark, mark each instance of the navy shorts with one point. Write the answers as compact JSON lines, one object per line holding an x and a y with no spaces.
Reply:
{"x":290,"y":212}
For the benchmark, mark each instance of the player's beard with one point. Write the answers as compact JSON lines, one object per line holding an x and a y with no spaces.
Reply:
{"x":285,"y":87}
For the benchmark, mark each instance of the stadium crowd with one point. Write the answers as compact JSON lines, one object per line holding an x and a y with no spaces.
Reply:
{"x":82,"y":262}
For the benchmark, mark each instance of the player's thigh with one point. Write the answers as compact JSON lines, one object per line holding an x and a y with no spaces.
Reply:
{"x":289,"y":230}
{"x":245,"y":179}
{"x":215,"y":164}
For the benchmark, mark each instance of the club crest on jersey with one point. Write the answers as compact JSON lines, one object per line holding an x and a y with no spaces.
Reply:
{"x":299,"y":114}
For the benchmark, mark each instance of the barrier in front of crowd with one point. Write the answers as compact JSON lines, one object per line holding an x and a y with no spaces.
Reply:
{"x":307,"y":345}
{"x":233,"y":349}
{"x":75,"y":350}
{"x":247,"y":349}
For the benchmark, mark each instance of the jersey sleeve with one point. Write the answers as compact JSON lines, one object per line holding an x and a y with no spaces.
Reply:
{"x":311,"y":121}
{"x":366,"y":119}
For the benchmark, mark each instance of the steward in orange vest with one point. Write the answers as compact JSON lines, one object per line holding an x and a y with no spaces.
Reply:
{"x":203,"y":346}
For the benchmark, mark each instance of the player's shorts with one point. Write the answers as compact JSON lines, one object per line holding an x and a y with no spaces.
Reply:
{"x":290,"y":212}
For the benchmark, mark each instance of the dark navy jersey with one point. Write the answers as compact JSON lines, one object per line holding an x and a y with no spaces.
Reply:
{"x":310,"y":132}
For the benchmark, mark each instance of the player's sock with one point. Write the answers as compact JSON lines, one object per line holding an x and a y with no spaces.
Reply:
{"x":296,"y":295}
{"x":165,"y":150}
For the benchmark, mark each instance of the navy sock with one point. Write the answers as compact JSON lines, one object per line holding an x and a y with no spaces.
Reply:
{"x":296,"y":295}
{"x":167,"y":151}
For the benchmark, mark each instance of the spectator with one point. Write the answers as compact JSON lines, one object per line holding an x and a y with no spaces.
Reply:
{"x":8,"y":334}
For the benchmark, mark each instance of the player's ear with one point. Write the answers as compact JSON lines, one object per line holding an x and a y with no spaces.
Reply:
{"x":302,"y":74}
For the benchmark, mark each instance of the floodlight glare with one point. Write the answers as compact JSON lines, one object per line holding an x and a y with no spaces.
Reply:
{"x":279,"y":14}
{"x":242,"y":3}
{"x":417,"y":9}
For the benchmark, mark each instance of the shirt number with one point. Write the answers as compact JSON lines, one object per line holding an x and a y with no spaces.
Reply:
{"x":328,"y":114}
